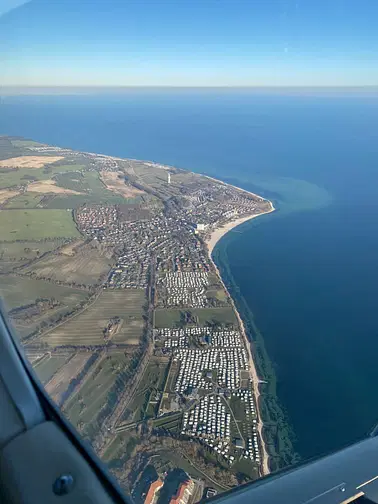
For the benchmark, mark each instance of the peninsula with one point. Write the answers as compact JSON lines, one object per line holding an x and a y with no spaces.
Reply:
{"x":107,"y":276}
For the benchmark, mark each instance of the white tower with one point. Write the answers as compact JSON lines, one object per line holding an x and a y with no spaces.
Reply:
{"x":169,"y":178}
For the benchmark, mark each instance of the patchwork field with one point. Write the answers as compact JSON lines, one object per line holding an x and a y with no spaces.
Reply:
{"x":26,"y":143}
{"x":109,"y":374}
{"x":22,"y":294}
{"x":36,"y":225}
{"x":146,"y":399}
{"x":82,"y":265}
{"x":115,"y":182}
{"x":48,"y":366}
{"x":49,"y":186}
{"x":10,"y":177}
{"x":29,"y":161}
{"x":92,"y":190}
{"x":6,"y":194}
{"x":15,"y":254}
{"x":59,"y":383}
{"x":121,"y":309}
{"x":24,"y":200}
{"x":120,"y":449}
{"x":18,"y":291}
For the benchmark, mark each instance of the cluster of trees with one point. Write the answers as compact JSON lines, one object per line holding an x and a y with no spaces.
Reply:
{"x":33,"y":310}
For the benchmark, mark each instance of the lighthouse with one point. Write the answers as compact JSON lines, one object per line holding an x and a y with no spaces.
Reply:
{"x":169,"y":178}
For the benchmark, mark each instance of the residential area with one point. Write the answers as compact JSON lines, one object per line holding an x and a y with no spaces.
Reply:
{"x":127,"y":320}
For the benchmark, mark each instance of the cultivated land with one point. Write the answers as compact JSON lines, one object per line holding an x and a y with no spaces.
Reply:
{"x":29,"y":161}
{"x":33,"y":305}
{"x":16,"y":254}
{"x":48,"y":366}
{"x":88,"y":328}
{"x":81,"y":264}
{"x":36,"y":225}
{"x":106,"y":275}
{"x":59,"y":382}
{"x":109,"y":375}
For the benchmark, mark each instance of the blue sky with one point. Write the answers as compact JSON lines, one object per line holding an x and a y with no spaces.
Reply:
{"x":189,"y":42}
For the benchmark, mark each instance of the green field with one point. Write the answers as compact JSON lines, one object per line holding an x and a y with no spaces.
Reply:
{"x":171,"y":423}
{"x":90,"y":184}
{"x":15,"y":254}
{"x":238,"y":408}
{"x":246,"y":467}
{"x":18,"y":291}
{"x":36,"y":225}
{"x":83,"y":407}
{"x":175,"y":457}
{"x":47,"y":367}
{"x":73,"y":181}
{"x":8,"y":149}
{"x":60,"y":168}
{"x":25,"y":143}
{"x":218,"y":294}
{"x":173,"y":317}
{"x":25,"y":200}
{"x":18,"y":176}
{"x":120,"y":449}
{"x":87,"y":328}
{"x":86,"y":266}
{"x":153,"y":380}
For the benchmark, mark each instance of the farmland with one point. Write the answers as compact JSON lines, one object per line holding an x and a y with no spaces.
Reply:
{"x":29,"y":161}
{"x":115,"y":182}
{"x":36,"y":225}
{"x":25,"y":143}
{"x":6,"y":194}
{"x":92,"y":188}
{"x":11,"y":177}
{"x":16,"y":254}
{"x":20,"y":292}
{"x":85,"y":265}
{"x":59,"y":383}
{"x":145,"y":401}
{"x":24,"y":200}
{"x":48,"y":366}
{"x":88,"y":327}
{"x":111,"y":373}
{"x":87,"y":304}
{"x":120,"y":449}
{"x":49,"y":187}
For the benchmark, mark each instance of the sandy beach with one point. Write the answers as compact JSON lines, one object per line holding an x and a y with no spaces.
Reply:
{"x":215,"y":236}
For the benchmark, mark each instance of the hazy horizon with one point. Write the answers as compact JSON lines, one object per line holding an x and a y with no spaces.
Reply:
{"x":201,"y":43}
{"x":58,"y":90}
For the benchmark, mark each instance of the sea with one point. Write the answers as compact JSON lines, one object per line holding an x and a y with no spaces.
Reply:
{"x":308,"y":273}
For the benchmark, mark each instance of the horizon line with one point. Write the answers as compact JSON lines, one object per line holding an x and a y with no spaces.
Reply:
{"x":19,"y":89}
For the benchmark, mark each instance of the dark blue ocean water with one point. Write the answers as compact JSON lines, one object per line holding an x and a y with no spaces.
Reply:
{"x":309,"y":272}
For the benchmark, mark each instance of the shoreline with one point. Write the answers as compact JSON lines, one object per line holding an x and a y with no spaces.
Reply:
{"x":215,"y":236}
{"x":219,"y":232}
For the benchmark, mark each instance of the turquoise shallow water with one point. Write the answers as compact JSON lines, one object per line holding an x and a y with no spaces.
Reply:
{"x":308,"y":272}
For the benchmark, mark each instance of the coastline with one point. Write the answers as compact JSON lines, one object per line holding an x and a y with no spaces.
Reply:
{"x":215,"y":236}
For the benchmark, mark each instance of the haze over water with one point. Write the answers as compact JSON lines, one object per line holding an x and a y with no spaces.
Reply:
{"x":308,"y":272}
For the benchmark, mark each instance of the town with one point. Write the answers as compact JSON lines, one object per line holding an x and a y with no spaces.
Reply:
{"x":132,"y":330}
